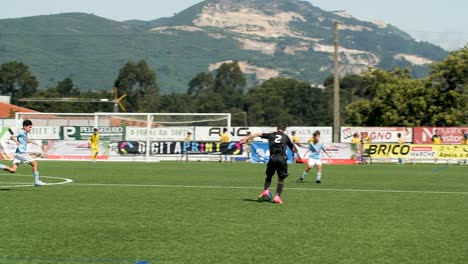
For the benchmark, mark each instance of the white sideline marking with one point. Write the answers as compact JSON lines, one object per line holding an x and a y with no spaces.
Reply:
{"x":240,"y":187}
{"x":66,"y":180}
{"x":24,"y":184}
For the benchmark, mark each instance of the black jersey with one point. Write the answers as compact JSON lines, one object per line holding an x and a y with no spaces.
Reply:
{"x":278,"y":142}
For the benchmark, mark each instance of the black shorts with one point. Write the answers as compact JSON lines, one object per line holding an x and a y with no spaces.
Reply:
{"x":278,"y":163}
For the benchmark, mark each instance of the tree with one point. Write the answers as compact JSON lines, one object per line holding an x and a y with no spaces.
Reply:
{"x":266,"y":107}
{"x":138,"y":81}
{"x":230,"y":83}
{"x":201,"y":83}
{"x":223,"y":93}
{"x":352,"y":87}
{"x":210,"y":102}
{"x":283,"y":100}
{"x":17,"y":81}
{"x":202,"y":95}
{"x":66,"y":88}
{"x":395,"y":99}
{"x":176,"y":103}
{"x":449,"y":80}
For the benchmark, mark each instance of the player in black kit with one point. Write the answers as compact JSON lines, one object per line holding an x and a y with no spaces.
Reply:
{"x":278,"y":143}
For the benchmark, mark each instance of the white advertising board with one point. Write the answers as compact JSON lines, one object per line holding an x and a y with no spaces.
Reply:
{"x":377,"y":134}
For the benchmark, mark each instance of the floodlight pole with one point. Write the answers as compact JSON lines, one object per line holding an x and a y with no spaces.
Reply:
{"x":336,"y":89}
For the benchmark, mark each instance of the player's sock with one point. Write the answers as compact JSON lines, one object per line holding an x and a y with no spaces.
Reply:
{"x":319,"y":176}
{"x":301,"y":179}
{"x":267,"y":185}
{"x":279,"y":189}
{"x":36,"y":177}
{"x":2,"y":166}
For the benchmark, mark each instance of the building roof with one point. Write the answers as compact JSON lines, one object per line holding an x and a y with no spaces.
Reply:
{"x":9,"y":110}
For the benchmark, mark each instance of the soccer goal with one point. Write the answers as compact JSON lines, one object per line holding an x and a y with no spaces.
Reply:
{"x":132,"y":136}
{"x":167,"y":136}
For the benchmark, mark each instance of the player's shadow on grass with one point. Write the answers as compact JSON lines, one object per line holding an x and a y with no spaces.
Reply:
{"x":15,"y":189}
{"x":250,"y":200}
{"x":302,"y":183}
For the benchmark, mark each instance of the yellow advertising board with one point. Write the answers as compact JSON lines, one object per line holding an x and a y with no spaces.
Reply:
{"x":417,"y":151}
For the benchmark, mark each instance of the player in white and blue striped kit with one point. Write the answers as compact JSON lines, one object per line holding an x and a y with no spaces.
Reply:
{"x":21,"y":154}
{"x":315,"y":157}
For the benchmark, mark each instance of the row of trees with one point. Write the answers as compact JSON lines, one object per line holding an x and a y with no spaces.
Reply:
{"x":396,"y":98}
{"x":376,"y":98}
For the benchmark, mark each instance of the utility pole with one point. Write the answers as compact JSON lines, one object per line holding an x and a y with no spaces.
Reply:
{"x":336,"y":89}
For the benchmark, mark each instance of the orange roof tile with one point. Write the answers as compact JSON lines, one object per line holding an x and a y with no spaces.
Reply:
{"x":9,"y":110}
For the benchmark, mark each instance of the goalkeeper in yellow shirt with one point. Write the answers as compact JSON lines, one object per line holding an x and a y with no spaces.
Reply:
{"x":224,"y":139}
{"x":224,"y":136}
{"x":94,"y":144}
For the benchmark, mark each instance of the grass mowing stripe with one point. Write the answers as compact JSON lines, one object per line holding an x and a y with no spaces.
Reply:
{"x":245,"y":187}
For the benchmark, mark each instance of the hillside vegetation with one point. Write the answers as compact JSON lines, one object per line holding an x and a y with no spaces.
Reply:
{"x":280,"y":38}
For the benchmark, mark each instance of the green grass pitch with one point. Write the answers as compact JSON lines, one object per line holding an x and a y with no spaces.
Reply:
{"x":201,"y":212}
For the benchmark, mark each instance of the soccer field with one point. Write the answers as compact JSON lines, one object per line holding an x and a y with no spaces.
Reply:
{"x":202,"y":212}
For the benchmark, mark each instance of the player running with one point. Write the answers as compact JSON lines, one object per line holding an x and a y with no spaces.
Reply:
{"x":315,"y":157}
{"x":21,"y":154}
{"x":278,"y":143}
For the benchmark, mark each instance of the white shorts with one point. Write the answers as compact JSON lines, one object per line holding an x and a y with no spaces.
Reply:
{"x":313,"y":162}
{"x":22,"y":158}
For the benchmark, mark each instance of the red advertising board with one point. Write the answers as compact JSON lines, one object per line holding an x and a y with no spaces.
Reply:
{"x":450,"y":135}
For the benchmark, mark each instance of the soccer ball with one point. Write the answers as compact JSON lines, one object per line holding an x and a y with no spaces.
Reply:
{"x":267,"y":198}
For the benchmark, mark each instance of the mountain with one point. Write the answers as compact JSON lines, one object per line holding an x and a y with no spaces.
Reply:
{"x":448,"y":40}
{"x":268,"y":37}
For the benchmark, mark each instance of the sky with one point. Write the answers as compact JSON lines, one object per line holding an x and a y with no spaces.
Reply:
{"x":444,"y":22}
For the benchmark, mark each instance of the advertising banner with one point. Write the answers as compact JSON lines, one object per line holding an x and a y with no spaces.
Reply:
{"x":417,"y":151}
{"x":128,"y":147}
{"x":377,"y":134}
{"x":73,"y":150}
{"x":305,"y":133}
{"x":213,"y":133}
{"x":157,"y":134}
{"x":45,"y":132}
{"x":450,"y":135}
{"x":339,"y":153}
{"x":260,"y":153}
{"x":235,"y":134}
{"x":84,"y":132}
{"x":37,"y":132}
